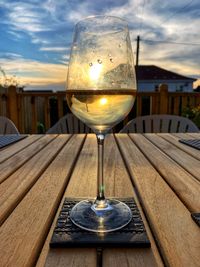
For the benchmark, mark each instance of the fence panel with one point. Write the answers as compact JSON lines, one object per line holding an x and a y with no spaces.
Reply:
{"x":29,"y":110}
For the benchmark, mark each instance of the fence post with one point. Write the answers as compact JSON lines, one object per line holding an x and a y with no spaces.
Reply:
{"x":12,"y":105}
{"x":163,"y":90}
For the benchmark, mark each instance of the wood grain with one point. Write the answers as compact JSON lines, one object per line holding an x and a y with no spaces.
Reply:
{"x":47,"y":112}
{"x":13,"y":163}
{"x":23,"y":233}
{"x":118,"y":184}
{"x":170,"y":220}
{"x":185,"y":186}
{"x":129,"y":257}
{"x":82,"y":184}
{"x":187,"y":162}
{"x":174,"y":139}
{"x":9,"y":151}
{"x":84,"y":257}
{"x":13,"y":189}
{"x":26,"y":233}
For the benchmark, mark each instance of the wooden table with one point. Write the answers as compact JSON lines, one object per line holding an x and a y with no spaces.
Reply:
{"x":38,"y":172}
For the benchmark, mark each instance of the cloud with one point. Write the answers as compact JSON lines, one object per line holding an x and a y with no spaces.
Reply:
{"x":16,"y":35}
{"x":32,"y":73}
{"x":47,"y":27}
{"x":39,"y":40}
{"x":26,"y":17}
{"x":54,"y":49}
{"x":65,"y":59}
{"x":9,"y":56}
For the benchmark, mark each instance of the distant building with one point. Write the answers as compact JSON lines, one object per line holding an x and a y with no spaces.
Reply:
{"x":149,"y":77}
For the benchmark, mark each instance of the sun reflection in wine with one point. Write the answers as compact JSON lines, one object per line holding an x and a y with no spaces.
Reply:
{"x":100,"y":111}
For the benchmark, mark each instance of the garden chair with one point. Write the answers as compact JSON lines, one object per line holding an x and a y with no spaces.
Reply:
{"x":69,"y":124}
{"x":7,"y":126}
{"x":160,"y":124}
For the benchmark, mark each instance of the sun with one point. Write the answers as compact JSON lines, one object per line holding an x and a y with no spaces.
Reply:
{"x":103,"y":101}
{"x":95,"y":71}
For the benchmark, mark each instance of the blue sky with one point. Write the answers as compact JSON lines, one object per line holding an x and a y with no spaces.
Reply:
{"x":35,"y":35}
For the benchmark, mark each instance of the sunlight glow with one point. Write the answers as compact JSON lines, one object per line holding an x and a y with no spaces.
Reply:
{"x":95,"y":71}
{"x":103,"y":101}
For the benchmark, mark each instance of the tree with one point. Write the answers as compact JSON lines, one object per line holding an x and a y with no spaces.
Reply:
{"x":5,"y":81}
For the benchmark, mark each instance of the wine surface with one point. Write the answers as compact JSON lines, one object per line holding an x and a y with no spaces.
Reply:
{"x":100,"y":109}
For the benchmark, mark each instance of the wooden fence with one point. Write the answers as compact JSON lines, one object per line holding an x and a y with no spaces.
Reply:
{"x":30,"y":111}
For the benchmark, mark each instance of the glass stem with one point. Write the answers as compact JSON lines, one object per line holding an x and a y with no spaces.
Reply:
{"x":100,"y":200}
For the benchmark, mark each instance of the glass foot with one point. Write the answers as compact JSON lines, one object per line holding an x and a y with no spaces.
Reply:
{"x":113,"y":217}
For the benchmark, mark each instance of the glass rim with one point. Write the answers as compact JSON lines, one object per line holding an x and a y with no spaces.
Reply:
{"x":88,"y":18}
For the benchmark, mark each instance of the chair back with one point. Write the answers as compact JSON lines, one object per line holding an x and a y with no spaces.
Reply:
{"x":7,"y":126}
{"x":160,"y":124}
{"x":69,"y":124}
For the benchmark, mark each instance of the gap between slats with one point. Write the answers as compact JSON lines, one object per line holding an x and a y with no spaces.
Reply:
{"x":185,"y":200}
{"x":6,"y":211}
{"x":192,"y":172}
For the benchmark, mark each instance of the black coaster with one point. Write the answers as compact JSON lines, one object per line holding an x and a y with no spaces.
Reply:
{"x":6,"y":140}
{"x":195,"y":143}
{"x":66,"y":234}
{"x":196,"y":218}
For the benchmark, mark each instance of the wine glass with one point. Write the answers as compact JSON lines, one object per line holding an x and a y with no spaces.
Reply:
{"x":101,"y":87}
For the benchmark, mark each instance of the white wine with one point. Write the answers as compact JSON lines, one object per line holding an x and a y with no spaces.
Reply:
{"x":101,"y":109}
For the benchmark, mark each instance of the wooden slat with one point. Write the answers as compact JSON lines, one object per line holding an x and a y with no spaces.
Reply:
{"x":187,"y":162}
{"x":9,"y":151}
{"x":118,"y":184}
{"x":33,"y":116}
{"x":82,"y":184}
{"x":157,"y":104}
{"x":84,"y":257}
{"x":192,"y":100}
{"x":47,"y":113}
{"x":13,"y":163}
{"x":13,"y":189}
{"x":60,"y":107}
{"x":194,"y":135}
{"x":170,"y":220}
{"x":20,"y":114}
{"x":176,"y":105}
{"x":129,"y":257}
{"x":163,"y":89}
{"x":184,"y":102}
{"x":84,"y":177}
{"x":173,"y":139}
{"x":23,"y":233}
{"x":170,"y":108}
{"x":185,"y":186}
{"x":152,"y":105}
{"x":12,"y":104}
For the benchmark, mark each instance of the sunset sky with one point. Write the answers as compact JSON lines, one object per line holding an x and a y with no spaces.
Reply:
{"x":36,"y":35}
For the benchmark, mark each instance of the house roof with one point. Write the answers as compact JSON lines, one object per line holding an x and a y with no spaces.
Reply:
{"x":151,"y":72}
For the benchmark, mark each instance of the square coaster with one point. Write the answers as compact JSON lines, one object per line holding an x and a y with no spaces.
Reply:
{"x":66,"y":234}
{"x":195,"y":143}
